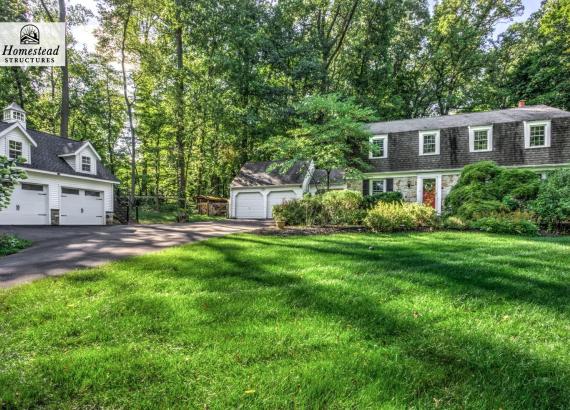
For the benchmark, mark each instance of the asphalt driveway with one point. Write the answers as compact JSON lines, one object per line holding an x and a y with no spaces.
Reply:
{"x":59,"y":249}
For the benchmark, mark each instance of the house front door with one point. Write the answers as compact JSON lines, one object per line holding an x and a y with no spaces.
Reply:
{"x":429,"y":192}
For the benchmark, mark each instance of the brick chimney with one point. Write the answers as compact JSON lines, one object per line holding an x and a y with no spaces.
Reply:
{"x":522,"y":103}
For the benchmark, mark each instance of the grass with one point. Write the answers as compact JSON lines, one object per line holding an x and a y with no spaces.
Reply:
{"x":10,"y":244}
{"x":152,"y":216}
{"x":440,"y":320}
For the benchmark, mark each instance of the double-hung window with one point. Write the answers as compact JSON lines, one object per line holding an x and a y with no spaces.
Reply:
{"x":537,"y":134}
{"x":429,"y":142}
{"x":378,"y":147}
{"x":377,"y":186}
{"x":14,"y":149}
{"x":86,"y":164}
{"x":481,"y":138}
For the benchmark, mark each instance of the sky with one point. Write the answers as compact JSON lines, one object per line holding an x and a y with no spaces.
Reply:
{"x":85,"y":38}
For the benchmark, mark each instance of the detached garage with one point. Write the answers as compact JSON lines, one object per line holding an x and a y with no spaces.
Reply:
{"x":259,"y":186}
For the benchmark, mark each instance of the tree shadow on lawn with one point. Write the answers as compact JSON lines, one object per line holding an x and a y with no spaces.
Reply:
{"x":466,"y":364}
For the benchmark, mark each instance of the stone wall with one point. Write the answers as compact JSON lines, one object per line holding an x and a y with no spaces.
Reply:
{"x":407,"y":186}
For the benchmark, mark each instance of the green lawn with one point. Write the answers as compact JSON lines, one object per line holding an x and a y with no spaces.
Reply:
{"x":442,"y":320}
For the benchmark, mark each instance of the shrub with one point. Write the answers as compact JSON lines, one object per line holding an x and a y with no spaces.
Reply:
{"x":11,"y":244}
{"x":343,"y":207}
{"x":454,"y":222}
{"x":552,"y":207}
{"x":371,"y":200}
{"x":485,"y":188}
{"x":306,"y":211}
{"x":517,"y":223}
{"x":399,"y":216}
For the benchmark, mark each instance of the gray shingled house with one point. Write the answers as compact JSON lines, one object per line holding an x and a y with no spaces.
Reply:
{"x":422,"y":158}
{"x":66,"y":183}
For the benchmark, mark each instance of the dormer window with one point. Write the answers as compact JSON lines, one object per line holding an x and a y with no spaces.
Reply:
{"x":15,"y":113}
{"x":14,"y":149}
{"x":481,"y":138}
{"x":86,"y":164}
{"x":18,"y":116}
{"x":429,"y":142}
{"x":378,"y":147}
{"x":537,"y":134}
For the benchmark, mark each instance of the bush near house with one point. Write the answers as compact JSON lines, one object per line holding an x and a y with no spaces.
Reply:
{"x":486,"y":189}
{"x":493,"y":199}
{"x":343,"y":207}
{"x":399,"y":216}
{"x":552,"y":207}
{"x":371,"y":200}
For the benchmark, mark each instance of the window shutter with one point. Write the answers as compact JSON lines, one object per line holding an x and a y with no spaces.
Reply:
{"x":366,"y":187}
{"x":389,"y":184}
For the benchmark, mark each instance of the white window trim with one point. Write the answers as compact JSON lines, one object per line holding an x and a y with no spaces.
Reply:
{"x":383,"y":138}
{"x":437,"y":142}
{"x":472,"y":130}
{"x":547,"y":127}
{"x":90,"y":164}
{"x":21,"y":148}
{"x":370,"y":191}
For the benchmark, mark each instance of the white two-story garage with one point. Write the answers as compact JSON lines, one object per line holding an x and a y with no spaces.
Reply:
{"x":66,"y":183}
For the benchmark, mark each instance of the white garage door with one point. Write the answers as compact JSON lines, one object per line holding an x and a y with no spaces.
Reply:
{"x":28,"y":206}
{"x":277,"y":198}
{"x":249,"y":205}
{"x":81,"y":207}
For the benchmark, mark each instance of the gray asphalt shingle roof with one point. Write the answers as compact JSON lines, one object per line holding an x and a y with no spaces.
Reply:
{"x":528,"y":113}
{"x":45,"y":156}
{"x":254,"y":174}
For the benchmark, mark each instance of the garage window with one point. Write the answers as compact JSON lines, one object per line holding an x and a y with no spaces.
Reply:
{"x":32,"y":187}
{"x":70,"y":191}
{"x":86,"y":164}
{"x":14,"y":149}
{"x":93,"y":193}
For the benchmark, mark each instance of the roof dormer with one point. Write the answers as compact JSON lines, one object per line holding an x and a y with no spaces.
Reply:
{"x":14,"y":113}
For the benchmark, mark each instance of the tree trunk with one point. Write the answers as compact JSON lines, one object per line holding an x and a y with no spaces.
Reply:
{"x":129,"y":106}
{"x":110,"y":144}
{"x":64,"y":124}
{"x":180,"y":120}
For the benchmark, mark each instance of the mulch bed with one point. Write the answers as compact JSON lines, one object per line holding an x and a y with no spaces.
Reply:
{"x":310,"y":230}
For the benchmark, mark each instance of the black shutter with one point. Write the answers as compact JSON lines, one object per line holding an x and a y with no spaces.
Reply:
{"x":389,"y":184}
{"x":366,"y":187}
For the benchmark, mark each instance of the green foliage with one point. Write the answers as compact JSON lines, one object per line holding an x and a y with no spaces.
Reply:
{"x":9,"y":176}
{"x":516,"y":223}
{"x":307,"y":211}
{"x":455,"y":223}
{"x":371,"y":200}
{"x":10,"y":244}
{"x":552,"y":206}
{"x":343,"y":207}
{"x":484,"y":188}
{"x":399,"y":216}
{"x":329,"y":130}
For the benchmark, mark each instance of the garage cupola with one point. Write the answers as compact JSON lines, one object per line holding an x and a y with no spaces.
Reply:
{"x":15,"y":113}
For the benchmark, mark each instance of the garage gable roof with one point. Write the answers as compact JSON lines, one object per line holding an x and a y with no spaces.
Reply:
{"x":45,"y":155}
{"x":268,"y":173}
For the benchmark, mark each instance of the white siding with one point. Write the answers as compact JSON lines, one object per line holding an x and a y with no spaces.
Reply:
{"x":15,"y":135}
{"x":56,"y":182}
{"x":70,"y":161}
{"x":86,"y":152}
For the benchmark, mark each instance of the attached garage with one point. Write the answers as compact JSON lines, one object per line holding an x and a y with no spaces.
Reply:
{"x":81,"y":207}
{"x":28,"y":206}
{"x":249,"y":205}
